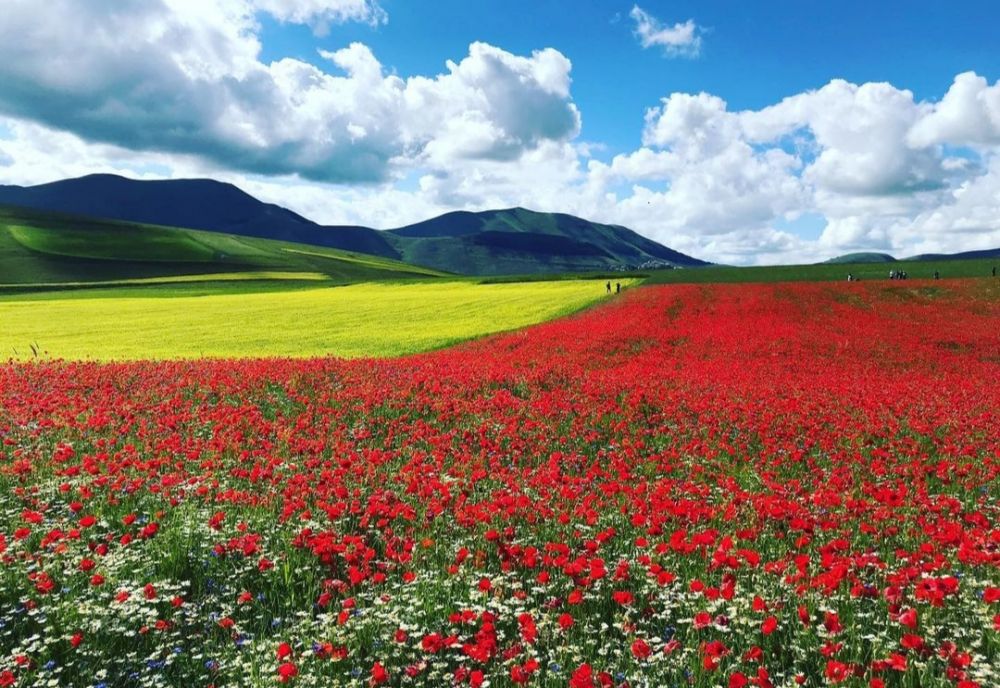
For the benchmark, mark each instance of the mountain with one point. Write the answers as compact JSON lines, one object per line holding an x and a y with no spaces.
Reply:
{"x":517,"y":240}
{"x":494,"y":242}
{"x":193,"y":204}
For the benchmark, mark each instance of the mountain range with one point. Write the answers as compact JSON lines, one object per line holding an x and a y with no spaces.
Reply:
{"x":492,"y":242}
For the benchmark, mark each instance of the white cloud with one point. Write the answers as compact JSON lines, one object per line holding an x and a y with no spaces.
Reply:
{"x":969,"y":114}
{"x":184,"y":76}
{"x":682,"y":39}
{"x":860,"y":133}
{"x":320,"y":14}
{"x":856,"y":155}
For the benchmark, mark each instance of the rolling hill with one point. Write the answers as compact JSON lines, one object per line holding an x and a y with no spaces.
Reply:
{"x":516,"y":240}
{"x":495,"y":242}
{"x":964,"y":255}
{"x":849,"y":258}
{"x":39,"y":248}
{"x":923,"y":257}
{"x":203,"y":204}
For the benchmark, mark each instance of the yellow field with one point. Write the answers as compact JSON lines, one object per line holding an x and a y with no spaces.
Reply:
{"x":361,"y":320}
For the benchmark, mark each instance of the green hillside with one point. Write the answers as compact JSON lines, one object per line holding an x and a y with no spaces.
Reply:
{"x":869,"y":257}
{"x":491,"y":242}
{"x":41,"y":248}
{"x":520,"y":241}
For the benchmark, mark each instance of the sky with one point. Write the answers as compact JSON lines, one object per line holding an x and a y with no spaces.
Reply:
{"x":745,"y":133}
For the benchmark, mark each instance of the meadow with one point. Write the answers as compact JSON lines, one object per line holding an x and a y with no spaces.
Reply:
{"x":828,"y":272}
{"x":245,"y":318}
{"x":766,"y":485}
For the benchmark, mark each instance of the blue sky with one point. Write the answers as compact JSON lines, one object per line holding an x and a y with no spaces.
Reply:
{"x":753,"y":53}
{"x":750,"y":132}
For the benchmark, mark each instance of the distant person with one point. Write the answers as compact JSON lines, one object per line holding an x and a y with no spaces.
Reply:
{"x":609,"y":287}
{"x":618,"y":287}
{"x":850,"y":277}
{"x":892,"y":274}
{"x":937,"y":275}
{"x":994,"y":270}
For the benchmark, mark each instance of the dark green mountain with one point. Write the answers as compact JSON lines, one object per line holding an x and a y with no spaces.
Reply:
{"x":193,"y":204}
{"x":494,"y":242}
{"x":516,"y":240}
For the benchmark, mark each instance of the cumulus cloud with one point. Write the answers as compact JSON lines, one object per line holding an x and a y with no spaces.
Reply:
{"x":882,"y":170}
{"x":320,"y":14}
{"x":860,"y":133}
{"x":184,"y":76}
{"x":682,"y":39}
{"x":969,"y":114}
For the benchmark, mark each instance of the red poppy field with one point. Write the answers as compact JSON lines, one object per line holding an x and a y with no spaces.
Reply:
{"x":702,"y":485}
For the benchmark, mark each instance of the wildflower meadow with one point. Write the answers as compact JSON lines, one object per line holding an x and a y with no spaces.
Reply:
{"x":693,"y":485}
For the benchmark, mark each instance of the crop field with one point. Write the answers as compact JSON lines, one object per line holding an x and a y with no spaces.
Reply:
{"x":368,"y":319}
{"x":765,"y":485}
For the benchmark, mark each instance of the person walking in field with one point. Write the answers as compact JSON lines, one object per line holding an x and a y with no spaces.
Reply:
{"x":994,"y":270}
{"x":618,"y":287}
{"x":609,"y":286}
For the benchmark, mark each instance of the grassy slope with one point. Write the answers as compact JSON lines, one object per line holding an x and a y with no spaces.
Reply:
{"x":463,"y":252}
{"x":353,"y":321}
{"x":863,"y":257}
{"x":47,"y":248}
{"x":519,"y":241}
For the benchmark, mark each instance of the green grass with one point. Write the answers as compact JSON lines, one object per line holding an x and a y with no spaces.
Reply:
{"x":370,"y":319}
{"x":39,"y":248}
{"x":823,"y":272}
